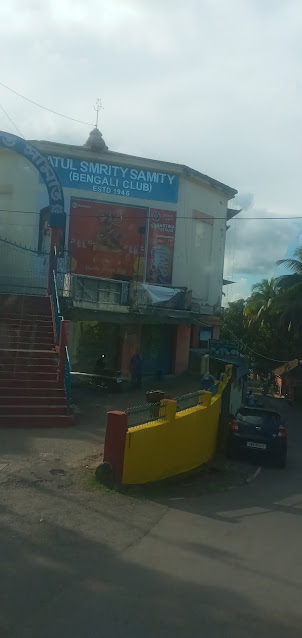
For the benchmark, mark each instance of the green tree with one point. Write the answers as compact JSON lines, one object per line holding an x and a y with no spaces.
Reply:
{"x":289,"y":301}
{"x":259,"y":305}
{"x":257,"y":324}
{"x":233,"y":321}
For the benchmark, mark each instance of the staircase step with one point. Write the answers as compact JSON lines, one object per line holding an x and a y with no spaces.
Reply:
{"x":16,"y":335}
{"x":27,"y":383}
{"x":30,"y":395}
{"x":46,"y":409}
{"x":31,"y":343}
{"x":30,"y":329}
{"x":24,"y":374}
{"x":30,"y":391}
{"x":24,"y":316}
{"x":27,"y":367}
{"x":32,"y":400}
{"x":36,"y":420}
{"x":27,"y":353}
{"x":23,"y":345}
{"x":17,"y":303}
{"x":17,"y":320}
{"x":18,"y":360}
{"x":24,"y":298}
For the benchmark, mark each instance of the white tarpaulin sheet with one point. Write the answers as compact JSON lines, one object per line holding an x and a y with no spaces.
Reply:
{"x":159,"y":294}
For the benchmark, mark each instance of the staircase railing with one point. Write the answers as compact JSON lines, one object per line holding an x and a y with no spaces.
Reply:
{"x":64,"y":368}
{"x":67,"y":379}
{"x":56,"y":306}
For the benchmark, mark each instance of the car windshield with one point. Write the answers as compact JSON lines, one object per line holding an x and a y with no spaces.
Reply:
{"x":251,"y":417}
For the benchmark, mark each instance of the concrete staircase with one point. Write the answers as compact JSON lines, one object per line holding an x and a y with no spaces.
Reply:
{"x":30,"y":394}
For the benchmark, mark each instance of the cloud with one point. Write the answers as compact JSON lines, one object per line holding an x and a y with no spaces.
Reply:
{"x":244,"y":200}
{"x":254,"y":245}
{"x":239,"y":290}
{"x":174,"y":86}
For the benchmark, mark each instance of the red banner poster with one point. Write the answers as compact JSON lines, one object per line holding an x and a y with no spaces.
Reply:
{"x":107,"y":240}
{"x":161,"y":246}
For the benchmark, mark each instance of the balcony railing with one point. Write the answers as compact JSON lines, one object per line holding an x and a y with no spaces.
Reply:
{"x":99,"y":293}
{"x":95,"y":292}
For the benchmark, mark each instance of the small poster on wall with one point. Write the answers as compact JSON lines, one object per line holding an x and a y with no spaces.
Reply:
{"x":161,"y":246}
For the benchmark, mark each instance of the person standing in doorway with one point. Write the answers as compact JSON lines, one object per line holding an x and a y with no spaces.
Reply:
{"x":136,"y":367}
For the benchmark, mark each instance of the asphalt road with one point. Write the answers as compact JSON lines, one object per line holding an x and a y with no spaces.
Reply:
{"x":78,"y":564}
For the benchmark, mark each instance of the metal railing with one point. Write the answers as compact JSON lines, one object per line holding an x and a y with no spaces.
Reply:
{"x":64,"y":368}
{"x":214,"y":388}
{"x":67,"y":379}
{"x":148,"y":412}
{"x":141,"y":414}
{"x":191,"y":400}
{"x":187,"y":401}
{"x":56,"y":306}
{"x":99,"y":291}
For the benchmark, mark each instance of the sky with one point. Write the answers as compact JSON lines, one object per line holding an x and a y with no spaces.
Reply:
{"x":214,"y":84}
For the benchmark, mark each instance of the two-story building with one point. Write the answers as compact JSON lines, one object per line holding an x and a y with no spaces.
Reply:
{"x":141,"y":254}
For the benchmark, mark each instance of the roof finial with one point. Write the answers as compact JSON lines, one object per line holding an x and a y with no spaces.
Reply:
{"x":98,"y":106}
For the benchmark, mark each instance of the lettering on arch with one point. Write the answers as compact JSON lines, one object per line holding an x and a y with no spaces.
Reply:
{"x":46,"y":170}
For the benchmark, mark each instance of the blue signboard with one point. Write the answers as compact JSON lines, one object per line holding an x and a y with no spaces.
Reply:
{"x":47,"y":174}
{"x":113,"y":179}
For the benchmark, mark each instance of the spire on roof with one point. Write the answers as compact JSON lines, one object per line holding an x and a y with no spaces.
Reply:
{"x":95,"y":141}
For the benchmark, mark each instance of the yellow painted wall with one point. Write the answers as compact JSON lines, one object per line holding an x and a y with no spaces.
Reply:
{"x":179,"y":443}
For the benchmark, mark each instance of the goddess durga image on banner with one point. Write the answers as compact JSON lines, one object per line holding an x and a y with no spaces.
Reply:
{"x":110,"y":234}
{"x":105,"y":239}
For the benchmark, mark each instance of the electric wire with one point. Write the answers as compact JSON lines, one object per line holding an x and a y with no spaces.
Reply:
{"x":11,"y":121}
{"x":45,"y":107}
{"x":74,"y":214}
{"x":254,"y":351}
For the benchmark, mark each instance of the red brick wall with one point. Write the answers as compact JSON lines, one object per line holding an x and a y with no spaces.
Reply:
{"x":182,"y":347}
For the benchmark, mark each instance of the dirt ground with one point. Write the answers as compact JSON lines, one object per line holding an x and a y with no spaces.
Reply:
{"x":26,"y":448}
{"x":67,"y":457}
{"x":207,"y":557}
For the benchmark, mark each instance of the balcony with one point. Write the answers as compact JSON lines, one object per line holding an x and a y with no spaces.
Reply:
{"x":96,"y":293}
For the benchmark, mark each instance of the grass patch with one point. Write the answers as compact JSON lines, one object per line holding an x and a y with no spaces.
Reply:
{"x":205,"y":480}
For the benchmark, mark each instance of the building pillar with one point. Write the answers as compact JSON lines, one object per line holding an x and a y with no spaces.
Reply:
{"x":216,"y":332}
{"x":131,"y":343}
{"x":115,"y":440}
{"x":195,"y":338}
{"x":182,"y":349}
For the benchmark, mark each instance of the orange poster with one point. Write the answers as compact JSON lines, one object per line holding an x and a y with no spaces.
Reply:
{"x":107,"y":240}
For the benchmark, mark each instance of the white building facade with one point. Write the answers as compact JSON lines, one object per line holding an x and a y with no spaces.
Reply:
{"x":146,"y":238}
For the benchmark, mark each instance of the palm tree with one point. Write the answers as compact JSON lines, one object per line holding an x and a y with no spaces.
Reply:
{"x":259,"y":303}
{"x":265,"y":313}
{"x":295,"y":265}
{"x":289,"y":301}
